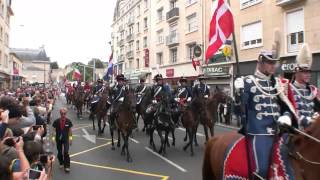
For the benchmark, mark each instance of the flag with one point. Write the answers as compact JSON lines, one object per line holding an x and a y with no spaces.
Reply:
{"x":109,"y":70}
{"x":76,"y":73}
{"x":221,"y":27}
{"x":195,"y":63}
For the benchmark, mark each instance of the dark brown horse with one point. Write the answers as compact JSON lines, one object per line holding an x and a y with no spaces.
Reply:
{"x":69,"y":97}
{"x":100,"y":111}
{"x":78,"y":99}
{"x":141,"y":108}
{"x":305,"y":161}
{"x":125,"y":122}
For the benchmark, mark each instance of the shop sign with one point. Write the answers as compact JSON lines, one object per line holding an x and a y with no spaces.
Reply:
{"x":146,"y":58}
{"x":169,"y":72}
{"x":216,"y":70}
{"x":288,"y":66}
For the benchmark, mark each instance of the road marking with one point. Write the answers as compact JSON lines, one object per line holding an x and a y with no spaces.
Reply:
{"x":100,"y":138}
{"x":170,"y":138}
{"x":135,"y":141}
{"x":198,"y":134}
{"x":87,"y":136}
{"x":97,"y":147}
{"x":227,"y":126}
{"x":77,"y":128}
{"x":121,"y":170}
{"x":166,"y":160}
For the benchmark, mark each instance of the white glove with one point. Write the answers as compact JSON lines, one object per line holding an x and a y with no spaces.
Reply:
{"x":177,"y":99}
{"x":121,"y":99}
{"x":189,"y":99}
{"x":285,"y":120}
{"x":154,"y":101}
{"x":310,"y":120}
{"x":206,"y":96}
{"x":239,"y":83}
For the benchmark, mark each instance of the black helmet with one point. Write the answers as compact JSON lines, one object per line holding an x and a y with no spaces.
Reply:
{"x":157,"y":77}
{"x":183,"y":79}
{"x":120,"y":77}
{"x":202,"y":77}
{"x":99,"y":81}
{"x":142,"y":80}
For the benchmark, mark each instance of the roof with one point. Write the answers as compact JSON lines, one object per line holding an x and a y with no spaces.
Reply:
{"x":31,"y":54}
{"x":34,"y":68}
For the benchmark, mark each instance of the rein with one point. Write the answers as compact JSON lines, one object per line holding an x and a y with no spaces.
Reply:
{"x":301,"y":157}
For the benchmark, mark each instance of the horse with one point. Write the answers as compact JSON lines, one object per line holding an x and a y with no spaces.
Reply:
{"x":87,"y":100}
{"x":124,"y":122}
{"x":142,"y":106}
{"x":79,"y":101}
{"x":100,"y":111}
{"x":304,"y":160}
{"x":69,"y":97}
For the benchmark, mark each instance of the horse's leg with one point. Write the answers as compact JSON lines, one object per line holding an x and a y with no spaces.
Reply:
{"x":129,"y":159}
{"x":123,"y":149}
{"x":162,"y":140}
{"x":195,"y":137}
{"x":206,"y":131}
{"x":173,"y":137}
{"x":119,"y":139}
{"x":104,"y":124}
{"x":186,"y":136}
{"x":92,"y":118}
{"x":99,"y":124}
{"x":190,"y":140}
{"x":151,"y":142}
{"x":167,"y":141}
{"x":192,"y":135}
{"x":112,"y":139}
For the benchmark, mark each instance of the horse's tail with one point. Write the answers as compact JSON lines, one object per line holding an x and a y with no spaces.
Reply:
{"x":207,"y":170}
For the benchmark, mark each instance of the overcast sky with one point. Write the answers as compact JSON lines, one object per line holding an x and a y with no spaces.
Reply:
{"x":70,"y":30}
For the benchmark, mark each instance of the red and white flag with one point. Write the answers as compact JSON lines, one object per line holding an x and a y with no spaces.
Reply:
{"x":195,"y":63}
{"x":221,"y":27}
{"x":76,"y":74}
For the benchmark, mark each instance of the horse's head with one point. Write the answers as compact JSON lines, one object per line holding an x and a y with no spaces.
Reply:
{"x":307,"y":150}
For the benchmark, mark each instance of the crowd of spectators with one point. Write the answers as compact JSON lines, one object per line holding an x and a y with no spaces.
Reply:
{"x":24,"y":138}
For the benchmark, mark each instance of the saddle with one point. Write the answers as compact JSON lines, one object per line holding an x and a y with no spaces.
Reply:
{"x":235,"y":166}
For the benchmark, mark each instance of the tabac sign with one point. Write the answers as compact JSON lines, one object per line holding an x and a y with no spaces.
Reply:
{"x":216,"y":70}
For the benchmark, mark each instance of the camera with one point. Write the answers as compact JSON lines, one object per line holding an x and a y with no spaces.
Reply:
{"x":34,"y":174}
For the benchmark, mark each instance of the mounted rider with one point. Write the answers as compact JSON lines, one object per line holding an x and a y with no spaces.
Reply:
{"x":116,"y":98}
{"x":305,"y":94}
{"x":183,"y":93}
{"x":96,"y":90}
{"x":87,"y":87}
{"x":140,"y":90}
{"x":201,"y":89}
{"x":266,"y":104}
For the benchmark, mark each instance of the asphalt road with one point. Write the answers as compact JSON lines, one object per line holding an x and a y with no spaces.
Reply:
{"x":91,"y":161}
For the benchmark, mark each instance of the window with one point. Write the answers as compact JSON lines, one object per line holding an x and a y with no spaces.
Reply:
{"x":130,"y":30}
{"x":145,"y":20}
{"x":190,"y":2}
{"x":1,"y":33}
{"x":251,"y":35}
{"x":130,"y":65}
{"x":138,"y":27}
{"x":145,"y":42}
{"x":145,"y":4}
{"x":160,"y":39}
{"x":248,"y":3}
{"x":190,"y":48}
{"x":173,"y":4}
{"x":6,"y":39}
{"x":295,"y":30}
{"x":138,"y":63}
{"x":192,"y":24}
{"x":138,"y":45}
{"x":138,"y":10}
{"x":160,"y":14}
{"x":173,"y":55}
{"x":160,"y":58}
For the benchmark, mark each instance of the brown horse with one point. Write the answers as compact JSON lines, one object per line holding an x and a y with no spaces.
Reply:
{"x":125,"y":123}
{"x":100,"y":111}
{"x":305,"y":161}
{"x":78,"y":99}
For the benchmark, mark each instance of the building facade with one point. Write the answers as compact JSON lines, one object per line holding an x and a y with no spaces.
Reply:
{"x":5,"y":14}
{"x":16,"y":74}
{"x":36,"y":64}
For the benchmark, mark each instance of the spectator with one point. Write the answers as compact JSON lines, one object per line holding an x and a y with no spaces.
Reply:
{"x":63,"y":136}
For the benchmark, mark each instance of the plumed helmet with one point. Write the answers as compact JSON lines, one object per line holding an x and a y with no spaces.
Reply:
{"x":120,"y":77}
{"x":304,"y":59}
{"x":158,"y":77}
{"x":99,"y":81}
{"x":183,"y":79}
{"x":273,"y":54}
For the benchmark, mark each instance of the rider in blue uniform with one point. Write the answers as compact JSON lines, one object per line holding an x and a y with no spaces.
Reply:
{"x":183,"y":92}
{"x":140,"y":90}
{"x":96,"y":90}
{"x":266,"y":104}
{"x":201,"y":89}
{"x":305,"y":94}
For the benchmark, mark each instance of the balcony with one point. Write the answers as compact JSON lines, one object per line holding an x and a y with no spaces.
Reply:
{"x":172,"y":39}
{"x":121,"y":42}
{"x":130,"y":54}
{"x":283,"y":3}
{"x":130,"y":37}
{"x":120,"y":58}
{"x":173,"y":14}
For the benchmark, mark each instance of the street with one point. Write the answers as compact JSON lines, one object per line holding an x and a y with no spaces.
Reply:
{"x":98,"y":161}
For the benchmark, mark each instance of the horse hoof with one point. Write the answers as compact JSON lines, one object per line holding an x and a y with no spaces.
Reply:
{"x":192,"y":154}
{"x":196,"y":144}
{"x":185,"y":139}
{"x":113,"y":148}
{"x":173,"y":144}
{"x":118,"y":145}
{"x":184,"y":148}
{"x":123,"y":153}
{"x":129,"y":160}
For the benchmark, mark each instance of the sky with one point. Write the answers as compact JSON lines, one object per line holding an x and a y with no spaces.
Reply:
{"x":70,"y":30}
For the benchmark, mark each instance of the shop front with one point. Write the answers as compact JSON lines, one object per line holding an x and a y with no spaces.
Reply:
{"x":4,"y":80}
{"x":219,"y":77}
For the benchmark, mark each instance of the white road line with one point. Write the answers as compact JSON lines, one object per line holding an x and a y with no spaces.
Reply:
{"x":170,"y":138}
{"x":198,"y":134}
{"x":166,"y":160}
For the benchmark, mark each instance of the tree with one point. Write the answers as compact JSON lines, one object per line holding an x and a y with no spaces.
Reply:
{"x":54,"y":65}
{"x":99,"y":63}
